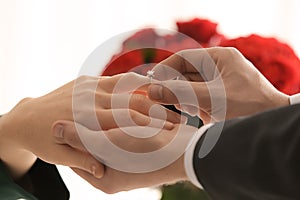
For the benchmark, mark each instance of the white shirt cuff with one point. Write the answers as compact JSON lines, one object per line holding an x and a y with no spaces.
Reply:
{"x":294,"y":99}
{"x":189,"y":155}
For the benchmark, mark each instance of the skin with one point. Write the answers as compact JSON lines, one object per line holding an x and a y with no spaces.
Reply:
{"x":25,"y":131}
{"x":113,"y":180}
{"x":247,"y":92}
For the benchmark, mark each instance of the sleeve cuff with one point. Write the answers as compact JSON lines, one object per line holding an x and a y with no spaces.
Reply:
{"x":189,"y":153}
{"x":295,"y":99}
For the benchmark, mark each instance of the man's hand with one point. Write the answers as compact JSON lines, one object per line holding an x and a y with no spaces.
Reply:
{"x":214,"y":74}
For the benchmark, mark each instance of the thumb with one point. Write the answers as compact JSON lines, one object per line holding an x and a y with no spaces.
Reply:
{"x":72,"y":150}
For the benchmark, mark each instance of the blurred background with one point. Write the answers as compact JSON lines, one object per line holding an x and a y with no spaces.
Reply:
{"x":44,"y":43}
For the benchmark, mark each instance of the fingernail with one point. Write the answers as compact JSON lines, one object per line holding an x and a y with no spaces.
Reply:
{"x":93,"y":170}
{"x":156,"y":91}
{"x":168,"y":125}
{"x":59,"y":131}
{"x":97,"y":172}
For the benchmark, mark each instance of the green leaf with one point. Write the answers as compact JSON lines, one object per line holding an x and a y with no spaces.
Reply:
{"x":183,"y":191}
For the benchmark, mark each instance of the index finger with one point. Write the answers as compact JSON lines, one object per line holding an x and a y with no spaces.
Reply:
{"x":192,"y":64}
{"x":124,"y":83}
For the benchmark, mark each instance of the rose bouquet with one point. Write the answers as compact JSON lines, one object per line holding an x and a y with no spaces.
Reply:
{"x":276,"y":60}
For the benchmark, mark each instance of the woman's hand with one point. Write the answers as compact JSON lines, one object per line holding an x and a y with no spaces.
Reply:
{"x":26,"y":129}
{"x":219,"y":76}
{"x":129,"y":172}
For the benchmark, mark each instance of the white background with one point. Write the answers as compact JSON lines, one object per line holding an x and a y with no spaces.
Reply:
{"x":44,"y":43}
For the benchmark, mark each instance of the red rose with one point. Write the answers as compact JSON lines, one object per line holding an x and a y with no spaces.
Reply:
{"x":123,"y":62}
{"x":136,"y":52}
{"x":141,"y":39}
{"x":172,"y":44}
{"x":141,"y":51}
{"x":275,"y":60}
{"x":201,"y":30}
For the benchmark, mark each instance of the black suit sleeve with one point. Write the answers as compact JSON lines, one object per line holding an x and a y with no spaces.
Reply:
{"x":256,"y":157}
{"x":46,"y":182}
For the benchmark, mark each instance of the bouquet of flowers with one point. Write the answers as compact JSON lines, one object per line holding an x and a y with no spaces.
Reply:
{"x":276,"y":60}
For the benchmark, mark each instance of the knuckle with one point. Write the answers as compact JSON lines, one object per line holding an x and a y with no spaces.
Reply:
{"x":137,"y":117}
{"x":83,"y":78}
{"x":84,"y":83}
{"x":138,"y":100}
{"x":182,"y":55}
{"x":133,"y":115}
{"x":130,"y":75}
{"x":185,"y":52}
{"x":101,"y":96}
{"x":181,"y":90}
{"x":182,"y":52}
{"x":231,"y":52}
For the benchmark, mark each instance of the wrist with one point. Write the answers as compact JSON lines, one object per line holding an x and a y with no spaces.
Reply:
{"x":180,"y":172}
{"x":274,"y":99}
{"x":4,"y":130}
{"x":282,"y":100}
{"x":294,"y":99}
{"x":12,"y":124}
{"x":17,"y":159}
